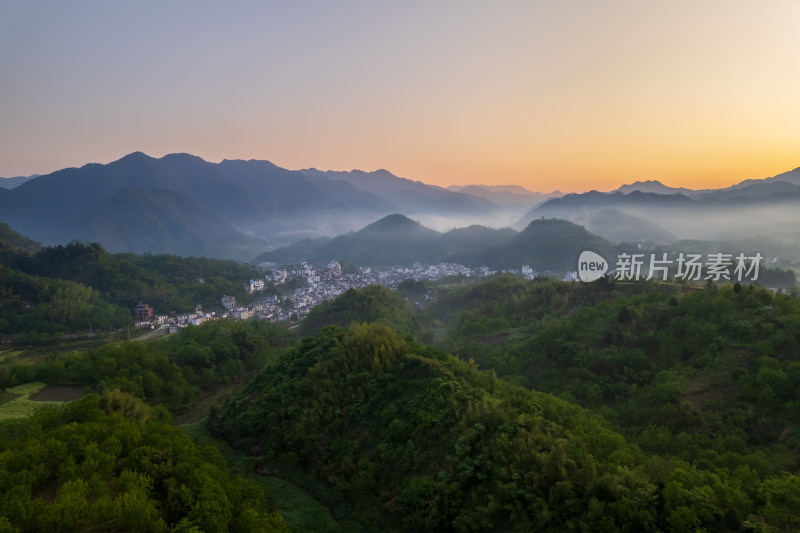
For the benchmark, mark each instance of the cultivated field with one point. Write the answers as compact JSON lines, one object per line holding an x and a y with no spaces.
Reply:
{"x":21,"y":401}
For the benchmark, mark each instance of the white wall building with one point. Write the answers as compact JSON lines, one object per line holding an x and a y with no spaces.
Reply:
{"x":255,"y":285}
{"x":228,"y":302}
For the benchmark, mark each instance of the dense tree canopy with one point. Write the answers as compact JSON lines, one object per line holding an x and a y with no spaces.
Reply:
{"x":434,"y":443}
{"x":111,"y":463}
{"x":166,"y":282}
{"x":168,"y":371}
{"x":370,"y":304}
{"x":609,"y":406}
{"x":36,"y":305}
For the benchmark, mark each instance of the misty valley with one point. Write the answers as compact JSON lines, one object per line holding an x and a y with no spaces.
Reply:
{"x":235,"y":346}
{"x":355,"y":267}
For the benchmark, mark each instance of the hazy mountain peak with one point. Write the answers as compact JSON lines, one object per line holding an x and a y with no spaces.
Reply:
{"x":383,"y":172}
{"x":616,"y":226}
{"x":182,"y":156}
{"x":134,"y":157}
{"x":652,"y":186}
{"x":508,"y":196}
{"x":253,"y":163}
{"x":392,"y":222}
{"x":517,"y":189}
{"x":793,"y":177}
{"x":540,"y":224}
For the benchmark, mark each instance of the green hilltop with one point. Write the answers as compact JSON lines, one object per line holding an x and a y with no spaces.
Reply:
{"x":77,"y":287}
{"x":410,"y":439}
{"x":11,"y":240}
{"x":546,"y":245}
{"x":374,"y":304}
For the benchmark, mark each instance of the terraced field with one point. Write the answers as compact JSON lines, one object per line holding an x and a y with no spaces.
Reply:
{"x":17,"y":402}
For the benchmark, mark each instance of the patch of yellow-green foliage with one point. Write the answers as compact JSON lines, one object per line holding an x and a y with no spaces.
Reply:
{"x":27,"y":388}
{"x":9,"y":356}
{"x":23,"y":406}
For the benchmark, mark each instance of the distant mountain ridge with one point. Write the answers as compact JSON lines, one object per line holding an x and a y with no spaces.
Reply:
{"x":547,"y":245}
{"x":141,"y":220}
{"x":616,"y":226}
{"x":392,"y":240}
{"x":10,"y":183}
{"x":653,"y":186}
{"x":407,"y":196}
{"x":396,"y":240}
{"x":655,"y":212}
{"x":184,"y":205}
{"x":792,"y":177}
{"x":505,"y":195}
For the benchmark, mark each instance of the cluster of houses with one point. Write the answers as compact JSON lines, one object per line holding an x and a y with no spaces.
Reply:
{"x":171,"y":322}
{"x":396,"y":275}
{"x":321,"y":283}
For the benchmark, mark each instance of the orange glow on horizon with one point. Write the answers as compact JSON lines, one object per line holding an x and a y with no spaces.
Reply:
{"x":569,"y":96}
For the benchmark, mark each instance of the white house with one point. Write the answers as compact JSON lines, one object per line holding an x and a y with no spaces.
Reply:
{"x":254,"y":285}
{"x":229,"y":302}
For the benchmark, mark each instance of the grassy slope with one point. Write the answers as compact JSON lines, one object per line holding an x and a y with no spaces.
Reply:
{"x":301,"y":510}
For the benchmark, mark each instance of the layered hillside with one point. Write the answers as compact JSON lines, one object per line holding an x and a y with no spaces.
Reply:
{"x":412,"y":439}
{"x":184,"y":205}
{"x":552,"y":245}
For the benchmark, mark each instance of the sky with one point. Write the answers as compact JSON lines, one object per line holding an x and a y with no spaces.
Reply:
{"x":571,"y":95}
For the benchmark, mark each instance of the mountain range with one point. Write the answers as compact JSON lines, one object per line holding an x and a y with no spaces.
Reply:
{"x":792,"y":177}
{"x":184,"y":205}
{"x":652,"y":211}
{"x":505,"y":195}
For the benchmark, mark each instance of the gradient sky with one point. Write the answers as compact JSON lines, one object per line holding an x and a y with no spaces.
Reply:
{"x":573,"y":95}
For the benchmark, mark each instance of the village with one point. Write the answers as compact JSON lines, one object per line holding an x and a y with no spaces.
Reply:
{"x":312,"y":285}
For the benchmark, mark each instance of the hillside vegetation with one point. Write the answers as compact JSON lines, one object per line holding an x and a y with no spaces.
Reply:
{"x":170,"y":371}
{"x":111,"y":463}
{"x":503,"y":405}
{"x":718,"y":361}
{"x":409,"y":438}
{"x":77,"y":287}
{"x":370,"y":304}
{"x":397,"y":240}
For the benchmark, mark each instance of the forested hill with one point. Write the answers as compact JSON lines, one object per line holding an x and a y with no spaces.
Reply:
{"x":370,"y":304}
{"x":392,"y":240}
{"x":112,"y":463}
{"x":503,"y":405}
{"x":544,"y":244}
{"x":78,"y":287}
{"x":721,"y":363}
{"x":720,"y":360}
{"x":166,"y":282}
{"x":412,"y":439}
{"x":397,"y":240}
{"x":12,"y":240}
